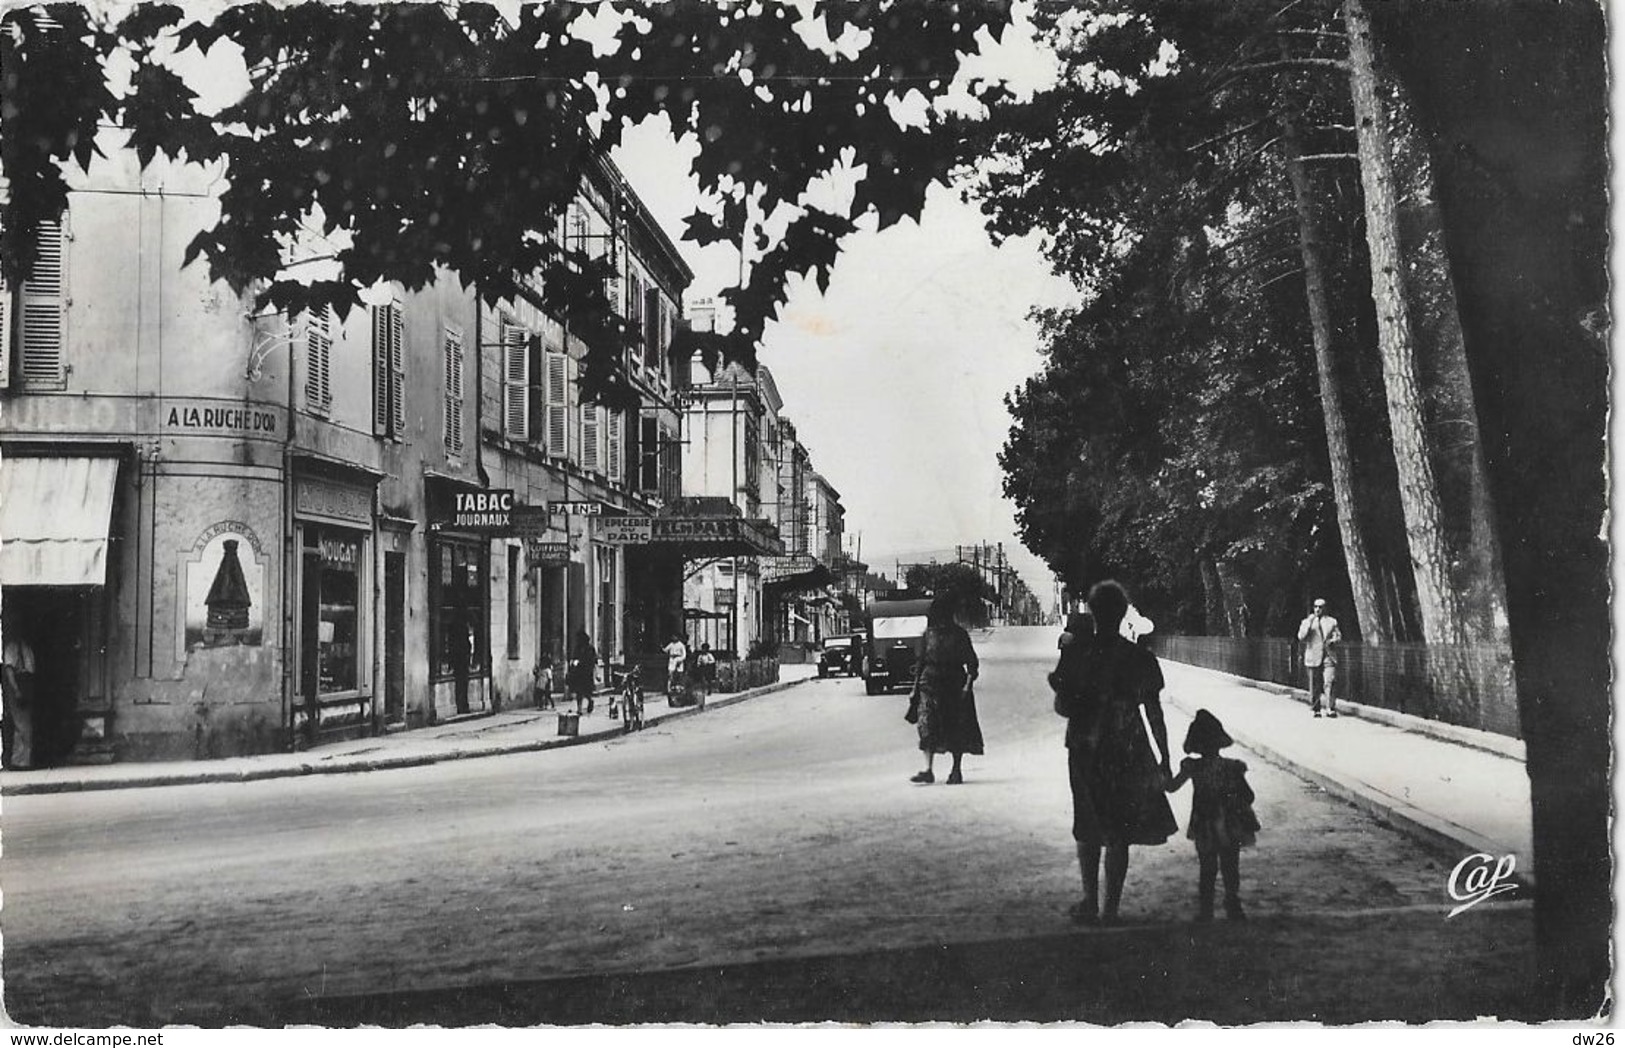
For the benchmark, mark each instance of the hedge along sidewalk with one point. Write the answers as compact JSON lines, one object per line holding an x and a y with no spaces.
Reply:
{"x":524,"y":730}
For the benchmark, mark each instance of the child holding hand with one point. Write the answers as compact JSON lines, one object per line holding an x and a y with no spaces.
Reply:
{"x":1222,"y":820}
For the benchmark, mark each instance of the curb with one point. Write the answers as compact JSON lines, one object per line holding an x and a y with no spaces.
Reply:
{"x":1442,"y":835}
{"x":1472,"y":738}
{"x":377,"y":763}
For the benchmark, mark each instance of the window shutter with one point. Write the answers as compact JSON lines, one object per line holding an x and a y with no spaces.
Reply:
{"x":5,"y":334}
{"x":454,"y":392}
{"x":380,"y":370}
{"x":613,"y":450}
{"x":515,"y":382}
{"x":591,"y":436}
{"x":318,"y":360}
{"x":43,"y":310}
{"x":558,"y":409}
{"x":397,"y":371}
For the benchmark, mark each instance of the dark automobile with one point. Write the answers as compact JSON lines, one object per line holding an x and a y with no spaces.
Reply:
{"x":835,"y":656}
{"x":896,"y":633}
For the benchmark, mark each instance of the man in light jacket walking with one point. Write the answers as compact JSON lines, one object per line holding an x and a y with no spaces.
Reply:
{"x":1320,"y":636}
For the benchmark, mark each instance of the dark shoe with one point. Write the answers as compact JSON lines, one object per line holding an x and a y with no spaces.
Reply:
{"x":1086,"y":911}
{"x":1317,"y":713}
{"x":1333,"y":713}
{"x":954,"y":778}
{"x":1204,"y":915}
{"x":922,"y":776}
{"x":1234,"y":912}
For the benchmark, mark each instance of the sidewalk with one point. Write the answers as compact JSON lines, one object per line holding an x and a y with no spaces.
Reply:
{"x":512,"y":731}
{"x":1463,"y":790}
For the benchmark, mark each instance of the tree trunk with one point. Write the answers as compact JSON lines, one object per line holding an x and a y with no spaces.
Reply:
{"x":1431,"y":557}
{"x":1234,"y":592}
{"x":1367,"y":603}
{"x":1450,"y":410}
{"x":1213,"y":600}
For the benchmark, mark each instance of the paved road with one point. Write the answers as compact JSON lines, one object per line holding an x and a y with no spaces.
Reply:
{"x":781,"y":827}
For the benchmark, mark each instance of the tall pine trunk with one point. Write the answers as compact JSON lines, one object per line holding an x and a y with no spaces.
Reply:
{"x":1368,"y":607}
{"x":1431,"y":556}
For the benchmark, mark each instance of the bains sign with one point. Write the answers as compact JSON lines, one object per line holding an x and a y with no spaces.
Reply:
{"x":489,"y":510}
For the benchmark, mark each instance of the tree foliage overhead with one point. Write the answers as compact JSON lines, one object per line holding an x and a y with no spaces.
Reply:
{"x":431,"y":136}
{"x":1175,"y":424}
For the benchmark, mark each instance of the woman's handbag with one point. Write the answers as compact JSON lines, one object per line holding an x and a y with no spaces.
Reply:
{"x":913,"y":714}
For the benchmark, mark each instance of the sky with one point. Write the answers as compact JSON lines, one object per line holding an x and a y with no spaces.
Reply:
{"x":896,"y":377}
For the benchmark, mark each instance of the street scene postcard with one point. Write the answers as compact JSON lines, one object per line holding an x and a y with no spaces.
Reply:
{"x":746,"y":513}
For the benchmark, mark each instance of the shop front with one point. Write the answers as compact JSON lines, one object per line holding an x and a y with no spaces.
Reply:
{"x":56,"y":512}
{"x":333,"y":584}
{"x":459,"y":597}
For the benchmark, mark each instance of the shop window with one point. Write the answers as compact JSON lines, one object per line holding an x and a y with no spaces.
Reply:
{"x":338,"y":583}
{"x":459,"y":621}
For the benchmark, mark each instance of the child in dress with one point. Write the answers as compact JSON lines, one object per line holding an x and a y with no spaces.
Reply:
{"x":1222,"y":820}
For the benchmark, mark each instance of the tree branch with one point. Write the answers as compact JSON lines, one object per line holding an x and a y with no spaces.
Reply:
{"x":1329,"y":156}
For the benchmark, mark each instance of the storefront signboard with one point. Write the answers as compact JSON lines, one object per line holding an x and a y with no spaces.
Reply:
{"x":540,"y":554}
{"x":219,"y":418}
{"x":622,"y":531}
{"x":532,"y":523}
{"x":488,"y":510}
{"x":579,"y":509}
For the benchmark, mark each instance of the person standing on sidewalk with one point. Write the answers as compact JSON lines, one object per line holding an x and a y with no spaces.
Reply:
{"x":582,"y":674}
{"x":1320,"y":636}
{"x":1222,"y":820}
{"x":17,"y":718}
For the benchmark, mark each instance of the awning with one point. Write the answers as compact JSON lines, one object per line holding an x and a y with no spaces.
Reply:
{"x":54,"y":516}
{"x":815,"y":578}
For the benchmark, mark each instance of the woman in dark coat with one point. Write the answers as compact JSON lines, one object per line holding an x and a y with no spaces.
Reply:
{"x":582,"y":677}
{"x":942,"y":703}
{"x":1101,"y":683}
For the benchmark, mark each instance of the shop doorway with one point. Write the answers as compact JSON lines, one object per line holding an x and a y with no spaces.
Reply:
{"x":394,"y":637}
{"x":56,"y":623}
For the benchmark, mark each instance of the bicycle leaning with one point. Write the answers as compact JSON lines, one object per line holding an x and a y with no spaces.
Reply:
{"x":627,"y":703}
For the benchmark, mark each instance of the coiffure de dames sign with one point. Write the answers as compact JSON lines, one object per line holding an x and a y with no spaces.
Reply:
{"x":488,"y":510}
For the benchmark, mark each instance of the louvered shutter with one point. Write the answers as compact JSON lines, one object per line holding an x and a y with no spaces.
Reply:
{"x":454,"y":392}
{"x":397,"y":371}
{"x":380,"y":370}
{"x":591,"y":437}
{"x":612,"y":450}
{"x":43,"y":312}
{"x":5,"y":334}
{"x":558,"y":407}
{"x":318,"y":360}
{"x":515,"y":382}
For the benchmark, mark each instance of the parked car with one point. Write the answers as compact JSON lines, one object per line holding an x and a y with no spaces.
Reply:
{"x":836,"y":655}
{"x":895,"y":634}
